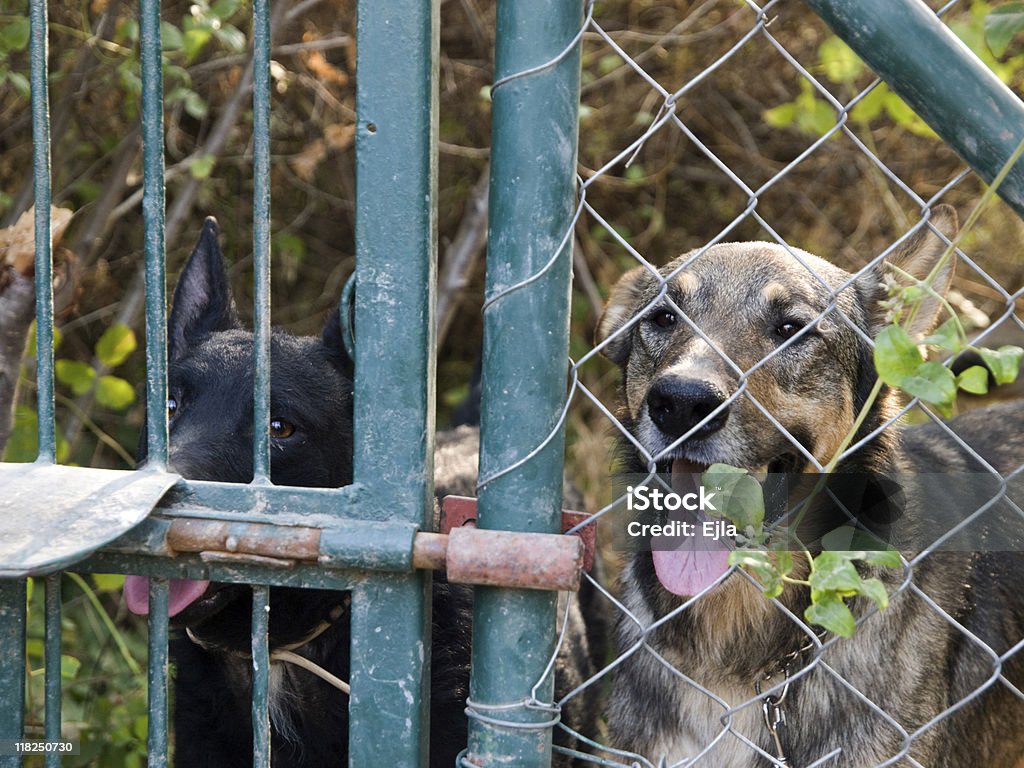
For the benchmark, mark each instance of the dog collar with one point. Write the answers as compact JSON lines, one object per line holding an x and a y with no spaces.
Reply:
{"x":286,"y":653}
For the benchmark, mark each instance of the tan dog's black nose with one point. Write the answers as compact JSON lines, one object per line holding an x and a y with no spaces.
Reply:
{"x":676,"y":405}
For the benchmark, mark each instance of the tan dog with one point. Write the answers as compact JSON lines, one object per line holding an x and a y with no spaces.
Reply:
{"x":748,"y":357}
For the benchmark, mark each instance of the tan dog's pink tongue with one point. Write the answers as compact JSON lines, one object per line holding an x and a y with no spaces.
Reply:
{"x":698,"y":561}
{"x":181,"y":594}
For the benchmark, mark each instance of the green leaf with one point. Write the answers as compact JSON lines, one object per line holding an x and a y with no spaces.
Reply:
{"x":974,"y":380}
{"x":114,"y":392}
{"x":108,"y":582}
{"x":888,"y":558}
{"x":20,"y":83}
{"x":946,"y":336}
{"x":896,"y":355}
{"x":231,"y":38}
{"x":23,"y":442}
{"x":69,"y":666}
{"x":840,"y":63}
{"x":781,"y":116}
{"x":739,"y":497}
{"x":1001,"y":25}
{"x":202,"y":167}
{"x":871,"y":106}
{"x":834,"y":572}
{"x":760,"y":564}
{"x":116,"y":343}
{"x":194,"y":40}
{"x":874,"y":590}
{"x":225,"y":9}
{"x":196,"y":106}
{"x":76,"y":375}
{"x":830,"y":612}
{"x":14,"y":34}
{"x":1004,"y":363}
{"x":932,"y":382}
{"x":170,"y":36}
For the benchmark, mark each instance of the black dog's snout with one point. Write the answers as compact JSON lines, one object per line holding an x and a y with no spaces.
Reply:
{"x":676,"y":405}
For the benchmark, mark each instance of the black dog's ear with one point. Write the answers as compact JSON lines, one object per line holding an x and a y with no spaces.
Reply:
{"x":622,"y":305}
{"x":334,"y":339}
{"x":202,"y":301}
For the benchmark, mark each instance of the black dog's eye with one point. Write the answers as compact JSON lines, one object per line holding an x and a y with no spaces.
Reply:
{"x":788,"y":329}
{"x":172,"y":407}
{"x":664,"y":318}
{"x":280,"y":428}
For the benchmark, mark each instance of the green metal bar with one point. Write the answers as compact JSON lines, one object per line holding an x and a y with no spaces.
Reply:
{"x":260,"y":677}
{"x":44,"y":259}
{"x":396,"y":265}
{"x":12,"y":665}
{"x":157,"y":673}
{"x":940,"y":78}
{"x":261,"y":239}
{"x":526,"y":332}
{"x":153,"y":206}
{"x":52,"y":666}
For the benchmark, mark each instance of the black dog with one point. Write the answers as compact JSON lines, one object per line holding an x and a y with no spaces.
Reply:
{"x":210,"y":412}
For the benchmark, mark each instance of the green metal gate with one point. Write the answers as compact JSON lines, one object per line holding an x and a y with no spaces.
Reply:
{"x":367,"y":531}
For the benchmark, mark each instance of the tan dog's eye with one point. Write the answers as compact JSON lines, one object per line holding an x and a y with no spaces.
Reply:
{"x":663,"y":318}
{"x":788,"y":329}
{"x":280,"y":428}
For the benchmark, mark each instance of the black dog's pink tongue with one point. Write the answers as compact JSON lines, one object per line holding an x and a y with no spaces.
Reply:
{"x":181,"y":594}
{"x":698,"y":561}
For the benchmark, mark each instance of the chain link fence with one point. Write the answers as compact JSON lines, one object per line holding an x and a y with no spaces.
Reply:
{"x":774,"y":688}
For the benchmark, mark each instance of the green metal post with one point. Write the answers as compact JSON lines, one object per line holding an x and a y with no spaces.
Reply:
{"x":153,"y":206}
{"x":261,"y":238}
{"x":396,"y":172}
{"x":260,"y":677}
{"x":940,"y":78}
{"x":51,"y":663}
{"x":12,"y":665}
{"x":43,"y":255}
{"x":157,"y":674}
{"x":526,"y":336}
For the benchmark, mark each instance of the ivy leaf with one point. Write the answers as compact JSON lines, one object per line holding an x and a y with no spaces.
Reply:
{"x":114,"y":392}
{"x":108,"y":582}
{"x":14,"y":34}
{"x":974,"y":380}
{"x":830,"y":612}
{"x":834,"y":572}
{"x":76,"y":375}
{"x":781,"y":116}
{"x":874,"y":590}
{"x":896,"y":355}
{"x":116,"y":343}
{"x":1001,"y":25}
{"x":69,"y":666}
{"x":932,"y":382}
{"x":840,"y":63}
{"x":170,"y":36}
{"x":1003,"y":362}
{"x":739,"y":498}
{"x":945,"y":336}
{"x":888,"y":558}
{"x":761,"y":566}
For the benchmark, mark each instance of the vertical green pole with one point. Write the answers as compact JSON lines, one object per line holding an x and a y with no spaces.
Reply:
{"x":526,"y":332}
{"x":396,"y":172}
{"x":12,"y":664}
{"x":43,"y":256}
{"x":261,"y":238}
{"x":153,"y":205}
{"x":157,"y":673}
{"x":931,"y":69}
{"x":260,"y":677}
{"x":51,"y":664}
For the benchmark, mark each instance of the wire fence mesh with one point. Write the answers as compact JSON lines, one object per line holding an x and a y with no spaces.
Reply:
{"x":820,"y":699}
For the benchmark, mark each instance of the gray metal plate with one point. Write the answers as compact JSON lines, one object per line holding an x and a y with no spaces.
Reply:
{"x":52,"y":516}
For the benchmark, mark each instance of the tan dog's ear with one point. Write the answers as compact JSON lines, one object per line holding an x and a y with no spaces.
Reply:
{"x":918,"y":256}
{"x":622,"y":305}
